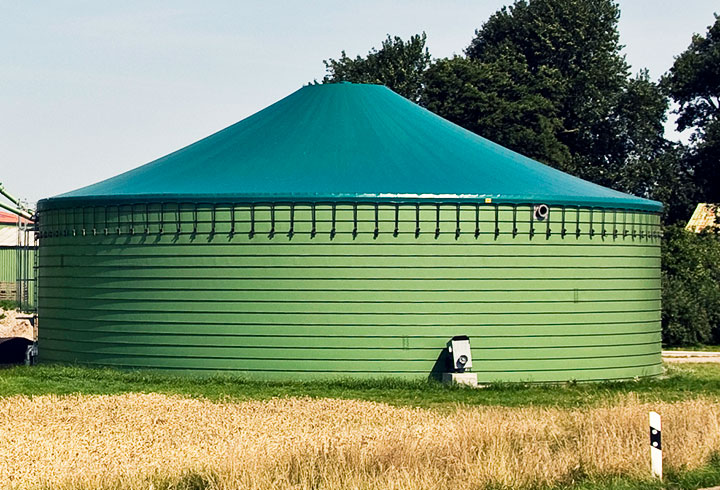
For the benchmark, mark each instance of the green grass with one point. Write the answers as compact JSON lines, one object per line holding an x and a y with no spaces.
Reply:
{"x":9,"y":305}
{"x":707,"y":476}
{"x":701,"y":347}
{"x":680,"y":382}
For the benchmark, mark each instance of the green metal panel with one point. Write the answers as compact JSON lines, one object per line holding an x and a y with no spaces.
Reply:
{"x":352,"y":291}
{"x":9,"y":257}
{"x":8,"y":264}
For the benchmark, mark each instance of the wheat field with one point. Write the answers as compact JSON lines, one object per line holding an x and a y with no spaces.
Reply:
{"x":139,"y":441}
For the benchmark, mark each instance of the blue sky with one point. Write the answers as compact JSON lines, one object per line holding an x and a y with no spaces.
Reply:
{"x":93,"y":88}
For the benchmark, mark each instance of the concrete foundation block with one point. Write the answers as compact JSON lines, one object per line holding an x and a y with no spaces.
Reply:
{"x":469,"y":379}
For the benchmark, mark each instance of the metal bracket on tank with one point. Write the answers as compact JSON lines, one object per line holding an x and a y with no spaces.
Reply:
{"x":548,"y":231}
{"x":195,"y":218}
{"x":397,"y":220}
{"x":177,"y":219}
{"x":457,"y":221}
{"x":615,"y":230}
{"x":147,"y":218}
{"x":592,"y":230}
{"x":477,"y":219}
{"x":563,"y":230}
{"x":532,"y":221}
{"x":212,"y":219}
{"x":82,"y":220}
{"x":252,"y":221}
{"x":334,"y":219}
{"x":577,"y":222}
{"x":132,"y":219}
{"x":86,"y":225}
{"x":105,"y":220}
{"x":514,"y":228}
{"x":497,"y":221}
{"x":65,"y":222}
{"x":437,"y":220}
{"x":417,"y":219}
{"x":313,"y":229}
{"x":117,"y":220}
{"x":643,"y":232}
{"x":355,"y":220}
{"x":376,"y":232}
{"x":625,"y":232}
{"x":603,"y":231}
{"x":291,"y":231}
{"x":271,"y":233}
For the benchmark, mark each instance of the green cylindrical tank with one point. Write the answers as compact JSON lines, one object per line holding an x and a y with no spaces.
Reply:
{"x":345,"y":231}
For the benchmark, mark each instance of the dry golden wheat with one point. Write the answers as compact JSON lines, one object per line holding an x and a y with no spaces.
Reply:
{"x":138,"y":441}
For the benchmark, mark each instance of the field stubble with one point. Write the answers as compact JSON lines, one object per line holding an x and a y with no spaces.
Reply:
{"x":134,"y":441}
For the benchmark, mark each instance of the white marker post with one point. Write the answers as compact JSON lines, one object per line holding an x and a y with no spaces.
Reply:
{"x":655,"y":445}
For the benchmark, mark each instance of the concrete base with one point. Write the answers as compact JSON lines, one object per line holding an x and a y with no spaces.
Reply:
{"x":469,"y":379}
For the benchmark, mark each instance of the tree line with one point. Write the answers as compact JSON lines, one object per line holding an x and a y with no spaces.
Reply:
{"x":547,"y":78}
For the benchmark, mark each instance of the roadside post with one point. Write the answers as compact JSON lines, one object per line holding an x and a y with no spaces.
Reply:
{"x":655,"y":445}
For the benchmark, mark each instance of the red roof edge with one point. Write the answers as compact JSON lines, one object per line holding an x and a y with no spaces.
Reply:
{"x":7,"y":218}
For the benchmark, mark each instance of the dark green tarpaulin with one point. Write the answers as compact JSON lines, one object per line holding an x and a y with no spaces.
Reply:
{"x":348,"y":142}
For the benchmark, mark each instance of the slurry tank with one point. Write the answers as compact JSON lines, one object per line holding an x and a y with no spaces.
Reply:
{"x":346,"y":232}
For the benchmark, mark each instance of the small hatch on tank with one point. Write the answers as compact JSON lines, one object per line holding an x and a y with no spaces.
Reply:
{"x":460,"y":354}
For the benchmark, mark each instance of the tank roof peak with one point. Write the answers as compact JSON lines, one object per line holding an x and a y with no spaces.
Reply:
{"x":348,"y":141}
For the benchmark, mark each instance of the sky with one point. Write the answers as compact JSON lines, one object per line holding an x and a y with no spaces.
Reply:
{"x":90,"y":89}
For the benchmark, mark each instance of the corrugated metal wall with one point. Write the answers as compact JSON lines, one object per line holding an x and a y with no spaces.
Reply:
{"x":9,"y":276}
{"x":8,"y":264}
{"x":302,"y":293}
{"x":8,"y":273}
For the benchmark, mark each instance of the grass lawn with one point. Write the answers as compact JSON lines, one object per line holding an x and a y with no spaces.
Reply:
{"x":680,"y":382}
{"x":704,"y":348}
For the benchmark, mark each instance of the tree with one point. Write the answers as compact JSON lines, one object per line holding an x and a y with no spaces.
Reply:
{"x":397,"y":64}
{"x":547,"y":78}
{"x":499,"y":101}
{"x":694,"y":83}
{"x":691,"y":287}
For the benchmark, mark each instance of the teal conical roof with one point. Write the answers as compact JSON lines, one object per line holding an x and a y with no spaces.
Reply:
{"x":353,"y":142}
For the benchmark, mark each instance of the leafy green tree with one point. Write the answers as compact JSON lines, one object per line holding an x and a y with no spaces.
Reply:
{"x":545,"y":78}
{"x":549,"y":81}
{"x":694,"y":83}
{"x":691,"y":287}
{"x":497,"y":101}
{"x":397,"y":64}
{"x":574,"y":43}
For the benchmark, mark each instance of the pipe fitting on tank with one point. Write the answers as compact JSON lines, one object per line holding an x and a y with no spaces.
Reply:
{"x":541,"y":212}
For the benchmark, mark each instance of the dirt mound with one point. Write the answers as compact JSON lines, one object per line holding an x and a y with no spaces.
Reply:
{"x":14,"y":324}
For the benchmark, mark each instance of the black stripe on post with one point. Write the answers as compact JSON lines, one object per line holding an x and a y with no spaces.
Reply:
{"x":655,"y":438}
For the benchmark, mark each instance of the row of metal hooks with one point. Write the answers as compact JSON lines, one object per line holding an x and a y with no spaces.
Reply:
{"x":627,"y":229}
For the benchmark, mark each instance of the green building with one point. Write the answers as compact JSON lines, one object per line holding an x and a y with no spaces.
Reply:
{"x":16,"y":261}
{"x":345,"y":231}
